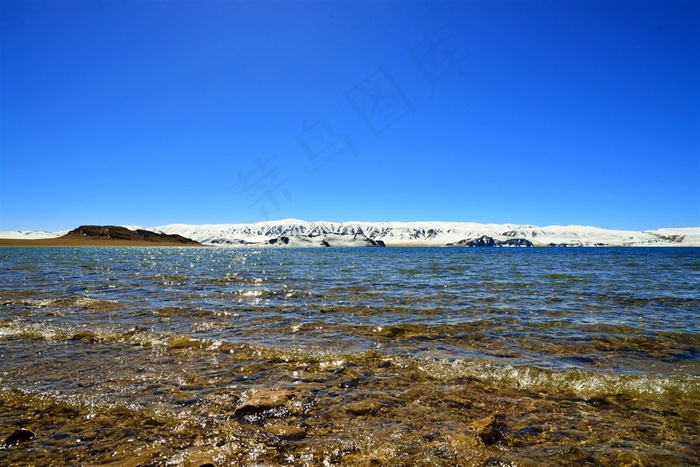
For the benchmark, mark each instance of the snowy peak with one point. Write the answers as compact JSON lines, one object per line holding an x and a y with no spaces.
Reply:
{"x":302,"y":233}
{"x":298,"y":233}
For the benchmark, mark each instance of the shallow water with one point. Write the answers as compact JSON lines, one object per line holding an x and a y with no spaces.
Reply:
{"x":148,"y":356}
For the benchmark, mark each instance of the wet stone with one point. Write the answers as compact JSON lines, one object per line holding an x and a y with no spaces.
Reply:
{"x":363,"y":408}
{"x":262,"y":401}
{"x":20,"y":435}
{"x":286,"y":431}
{"x":200,"y":463}
{"x":351,"y":383}
{"x":490,"y":429}
{"x":576,"y":455}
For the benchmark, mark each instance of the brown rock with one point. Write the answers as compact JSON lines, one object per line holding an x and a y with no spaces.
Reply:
{"x":199,"y":457}
{"x":262,"y":401}
{"x":363,"y":408}
{"x":286,"y":431}
{"x":490,"y":429}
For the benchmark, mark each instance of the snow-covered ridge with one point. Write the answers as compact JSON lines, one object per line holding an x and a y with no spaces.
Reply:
{"x":30,"y":234}
{"x":301,"y":233}
{"x":293,"y":232}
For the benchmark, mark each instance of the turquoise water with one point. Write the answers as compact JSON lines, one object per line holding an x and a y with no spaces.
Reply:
{"x":593,"y":323}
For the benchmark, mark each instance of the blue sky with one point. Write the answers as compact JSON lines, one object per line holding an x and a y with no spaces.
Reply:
{"x":545,"y":113}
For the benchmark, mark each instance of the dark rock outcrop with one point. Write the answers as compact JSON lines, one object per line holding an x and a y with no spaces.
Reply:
{"x":485,"y":240}
{"x":516,"y":242}
{"x":281,"y":240}
{"x":670,"y":238}
{"x":324,"y":240}
{"x":379,"y":243}
{"x":20,"y":435}
{"x":115,"y":232}
{"x":510,"y":233}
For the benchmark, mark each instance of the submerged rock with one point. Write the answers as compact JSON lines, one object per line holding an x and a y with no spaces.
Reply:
{"x":199,"y":456}
{"x":490,"y":429}
{"x":19,"y":436}
{"x":262,"y":401}
{"x":363,"y":408}
{"x":351,"y":383}
{"x":286,"y":431}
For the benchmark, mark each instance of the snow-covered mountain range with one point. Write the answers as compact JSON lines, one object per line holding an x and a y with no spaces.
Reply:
{"x":292,"y":232}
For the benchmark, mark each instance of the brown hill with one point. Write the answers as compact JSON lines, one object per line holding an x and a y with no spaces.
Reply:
{"x":106,"y":235}
{"x":116,"y":232}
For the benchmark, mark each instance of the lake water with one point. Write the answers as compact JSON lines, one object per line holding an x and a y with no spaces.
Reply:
{"x":377,"y":356}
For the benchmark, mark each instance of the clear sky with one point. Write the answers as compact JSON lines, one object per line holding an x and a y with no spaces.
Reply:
{"x":149,"y":113}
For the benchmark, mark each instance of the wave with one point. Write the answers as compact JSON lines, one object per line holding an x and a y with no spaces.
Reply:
{"x":587,"y":384}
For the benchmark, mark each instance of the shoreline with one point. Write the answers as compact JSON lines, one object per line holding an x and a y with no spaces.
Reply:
{"x":92,"y":242}
{"x":348,"y":357}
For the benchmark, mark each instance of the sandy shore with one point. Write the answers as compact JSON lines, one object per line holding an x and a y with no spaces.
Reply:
{"x":80,"y":242}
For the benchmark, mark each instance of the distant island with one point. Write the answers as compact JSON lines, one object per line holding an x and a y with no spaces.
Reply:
{"x":298,"y":233}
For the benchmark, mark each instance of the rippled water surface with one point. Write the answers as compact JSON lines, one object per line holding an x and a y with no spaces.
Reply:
{"x":423,"y":356}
